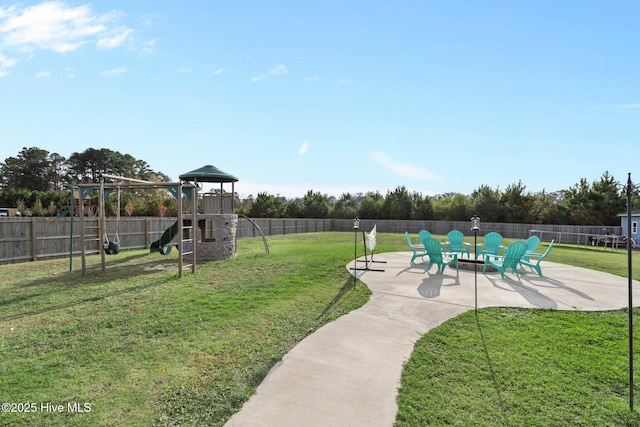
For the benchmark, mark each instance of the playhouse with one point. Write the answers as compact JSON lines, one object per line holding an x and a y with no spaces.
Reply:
{"x":215,"y":237}
{"x":205,"y":228}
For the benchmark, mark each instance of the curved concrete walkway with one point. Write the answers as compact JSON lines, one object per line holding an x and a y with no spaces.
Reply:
{"x":347,"y":373}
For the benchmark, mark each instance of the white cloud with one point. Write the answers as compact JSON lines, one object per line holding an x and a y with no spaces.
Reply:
{"x":304,"y":148}
{"x":404,"y":169}
{"x":6,"y":63}
{"x":148,"y":47}
{"x":114,"y":72}
{"x":59,"y":27}
{"x":217,"y":71}
{"x":44,"y":74}
{"x":116,"y":38}
{"x":279,"y":70}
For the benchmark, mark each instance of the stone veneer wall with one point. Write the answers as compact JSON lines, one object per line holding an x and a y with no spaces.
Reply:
{"x":219,"y":241}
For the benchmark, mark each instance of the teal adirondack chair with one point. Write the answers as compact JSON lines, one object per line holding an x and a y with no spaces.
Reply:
{"x":422,"y":234}
{"x":415,"y":248}
{"x":510,"y":259}
{"x":456,"y":243}
{"x":437,"y":256}
{"x":538,"y":257}
{"x":491,"y":246}
{"x":532,"y":245}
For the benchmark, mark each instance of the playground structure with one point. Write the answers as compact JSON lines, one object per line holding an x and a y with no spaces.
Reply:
{"x":217,"y":223}
{"x":179,"y":190}
{"x":204,"y":234}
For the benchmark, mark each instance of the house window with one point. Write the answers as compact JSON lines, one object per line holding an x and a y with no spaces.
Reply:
{"x":634,"y":227}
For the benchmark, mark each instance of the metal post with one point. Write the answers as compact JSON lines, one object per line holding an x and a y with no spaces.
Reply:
{"x":356,"y":227}
{"x":475,"y":264}
{"x":630,"y":274}
{"x":72,"y":190}
{"x":475,"y":226}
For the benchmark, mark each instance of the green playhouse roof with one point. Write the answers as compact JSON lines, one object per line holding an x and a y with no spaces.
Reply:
{"x":208,"y":173}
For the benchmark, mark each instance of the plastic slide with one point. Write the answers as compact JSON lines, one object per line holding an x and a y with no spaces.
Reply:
{"x":162,"y":244}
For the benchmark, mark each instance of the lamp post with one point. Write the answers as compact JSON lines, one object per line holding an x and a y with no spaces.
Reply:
{"x":356,"y":227}
{"x":475,"y":226}
{"x":630,"y":274}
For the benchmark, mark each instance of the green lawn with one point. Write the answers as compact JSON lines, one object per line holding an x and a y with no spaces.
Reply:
{"x":142,"y":347}
{"x":527,"y":367}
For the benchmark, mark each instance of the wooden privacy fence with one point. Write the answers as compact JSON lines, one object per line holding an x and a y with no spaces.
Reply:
{"x":29,"y":239}
{"x":569,"y":234}
{"x":24,"y":239}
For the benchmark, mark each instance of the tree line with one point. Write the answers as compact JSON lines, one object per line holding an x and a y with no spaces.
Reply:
{"x":597,"y":203}
{"x":34,"y":181}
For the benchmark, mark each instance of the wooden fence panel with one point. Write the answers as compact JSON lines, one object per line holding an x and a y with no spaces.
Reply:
{"x":24,"y":239}
{"x":15,"y":239}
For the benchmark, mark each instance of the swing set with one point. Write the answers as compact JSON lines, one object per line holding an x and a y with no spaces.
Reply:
{"x":111,"y":246}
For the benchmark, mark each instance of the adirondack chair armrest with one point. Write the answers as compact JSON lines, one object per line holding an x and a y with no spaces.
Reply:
{"x":413,"y":245}
{"x":530,"y":263}
{"x":533,"y":255}
{"x":495,"y":257}
{"x":450,"y":256}
{"x":538,"y":255}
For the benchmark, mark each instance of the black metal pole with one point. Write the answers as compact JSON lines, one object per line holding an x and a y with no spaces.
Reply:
{"x":475,"y":264}
{"x":356,"y":227}
{"x":630,"y":274}
{"x":475,"y":226}
{"x":355,"y":249}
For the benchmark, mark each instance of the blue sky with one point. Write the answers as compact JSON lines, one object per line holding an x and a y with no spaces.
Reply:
{"x":332,"y":96}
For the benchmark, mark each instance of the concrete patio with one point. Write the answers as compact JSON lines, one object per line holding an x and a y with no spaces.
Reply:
{"x":347,"y":373}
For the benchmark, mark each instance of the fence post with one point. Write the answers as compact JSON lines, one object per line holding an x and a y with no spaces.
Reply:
{"x":34,"y":240}
{"x":147,"y":228}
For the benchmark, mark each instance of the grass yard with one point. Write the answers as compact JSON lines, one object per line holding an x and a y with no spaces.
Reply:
{"x":527,"y":367}
{"x":141,"y":347}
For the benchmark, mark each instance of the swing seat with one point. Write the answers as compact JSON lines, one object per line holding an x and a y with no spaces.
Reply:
{"x":111,"y":248}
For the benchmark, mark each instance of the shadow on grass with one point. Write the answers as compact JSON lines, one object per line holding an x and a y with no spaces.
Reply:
{"x":114,"y":268}
{"x":55,"y":307}
{"x":349,"y":284}
{"x":494,"y":378}
{"x":39,"y":295}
